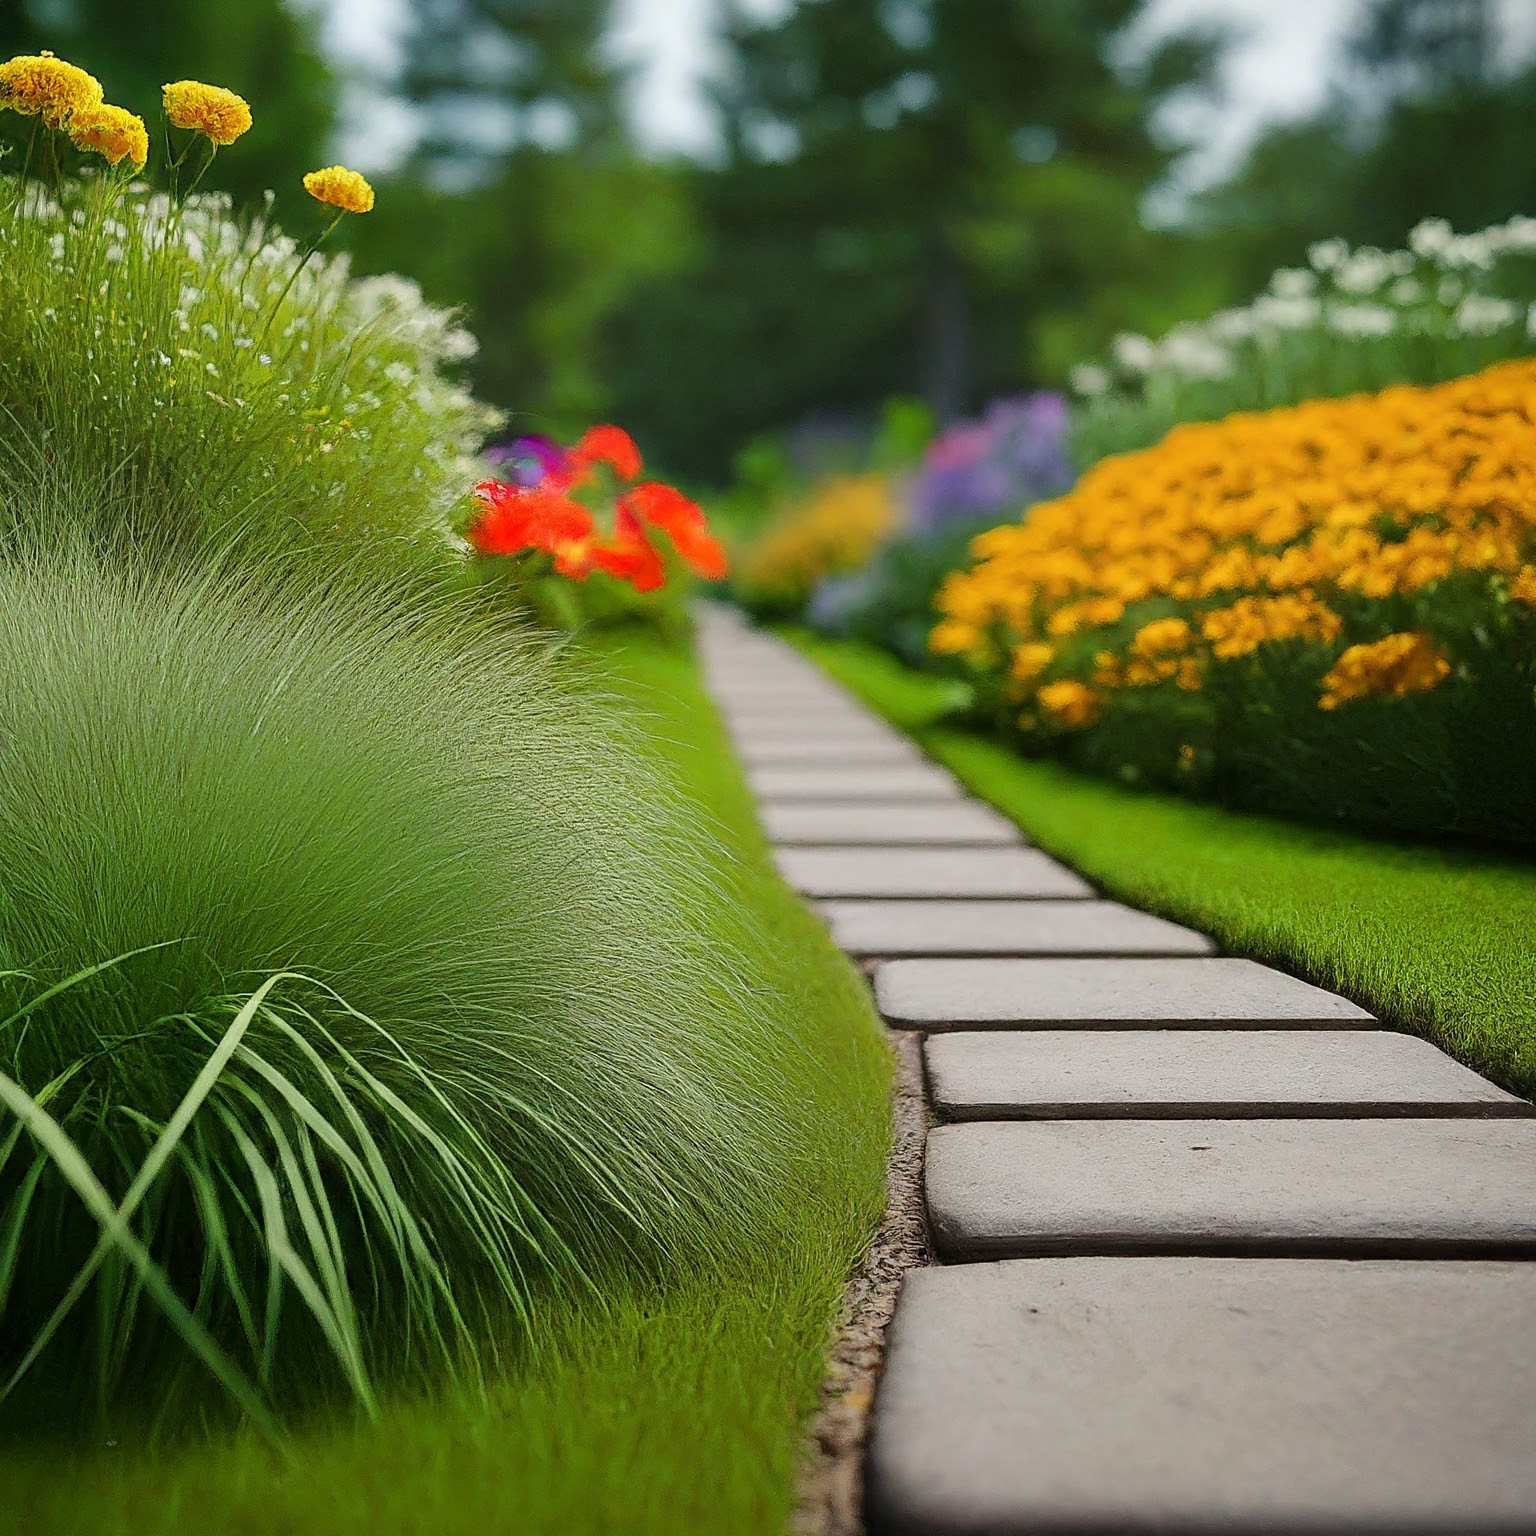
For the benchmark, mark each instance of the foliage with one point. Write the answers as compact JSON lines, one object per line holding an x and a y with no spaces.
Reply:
{"x":913,"y":197}
{"x":1426,"y":117}
{"x":352,"y":956}
{"x":221,"y":385}
{"x":1351,"y":320}
{"x":1433,"y":940}
{"x":544,"y":252}
{"x":1329,"y":610}
{"x":666,"y":1409}
{"x":836,"y":528}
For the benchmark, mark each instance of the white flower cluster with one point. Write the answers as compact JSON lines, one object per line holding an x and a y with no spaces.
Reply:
{"x":200,"y":304}
{"x":1443,"y":286}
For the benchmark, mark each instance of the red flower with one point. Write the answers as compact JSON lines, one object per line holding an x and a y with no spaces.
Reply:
{"x":518,"y":517}
{"x":612,"y":446}
{"x":631,"y":556}
{"x":682,"y":520}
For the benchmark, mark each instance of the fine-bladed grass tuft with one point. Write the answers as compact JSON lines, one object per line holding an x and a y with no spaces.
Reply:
{"x":351,"y":991}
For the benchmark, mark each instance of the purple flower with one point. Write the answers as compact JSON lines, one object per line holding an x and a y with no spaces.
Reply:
{"x":530,"y":458}
{"x":1015,"y":455}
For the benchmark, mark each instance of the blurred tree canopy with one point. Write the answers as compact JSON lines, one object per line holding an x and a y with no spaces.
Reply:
{"x":261,"y":48}
{"x":524,"y":201}
{"x":1424,"y":120}
{"x":928,"y":196}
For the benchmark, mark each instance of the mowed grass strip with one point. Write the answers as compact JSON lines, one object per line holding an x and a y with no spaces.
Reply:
{"x":1433,"y":939}
{"x":673,"y":1406}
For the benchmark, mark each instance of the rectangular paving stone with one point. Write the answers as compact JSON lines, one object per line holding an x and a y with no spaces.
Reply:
{"x":855,"y":728}
{"x":843,"y":723}
{"x":787,"y":692}
{"x":1338,"y":1188}
{"x":834,"y":747}
{"x":919,"y":872}
{"x":889,"y":823}
{"x":1208,"y":1397}
{"x":1054,"y":1074}
{"x":1173,"y":992}
{"x":874,"y":781}
{"x":1001,"y":928}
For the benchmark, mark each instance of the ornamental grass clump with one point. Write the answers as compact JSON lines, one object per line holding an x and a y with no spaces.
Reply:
{"x":350,"y":999}
{"x":229,"y":386}
{"x":1329,"y":610}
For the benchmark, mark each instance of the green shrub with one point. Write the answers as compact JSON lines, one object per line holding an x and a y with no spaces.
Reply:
{"x":341,"y":956}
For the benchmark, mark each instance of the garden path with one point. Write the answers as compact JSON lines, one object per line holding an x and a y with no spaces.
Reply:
{"x":1216,"y":1251}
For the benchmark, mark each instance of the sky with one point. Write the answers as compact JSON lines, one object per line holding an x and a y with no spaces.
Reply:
{"x":1278,"y":69}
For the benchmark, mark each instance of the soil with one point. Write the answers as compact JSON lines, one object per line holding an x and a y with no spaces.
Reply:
{"x":831,"y":1487}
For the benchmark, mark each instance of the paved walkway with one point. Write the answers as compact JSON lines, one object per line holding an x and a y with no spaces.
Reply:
{"x":1217,"y":1252}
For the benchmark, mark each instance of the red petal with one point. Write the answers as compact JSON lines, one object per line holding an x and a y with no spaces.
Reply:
{"x":612,"y":446}
{"x":683,"y":521}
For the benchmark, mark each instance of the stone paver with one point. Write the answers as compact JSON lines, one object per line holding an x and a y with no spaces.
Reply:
{"x":839,"y":749}
{"x":927,"y":872}
{"x":1224,"y":1397}
{"x":1001,"y":928}
{"x":939,"y":994}
{"x":890,"y":823}
{"x":1345,"y":1188}
{"x":1063,"y":1074}
{"x":871,"y":781}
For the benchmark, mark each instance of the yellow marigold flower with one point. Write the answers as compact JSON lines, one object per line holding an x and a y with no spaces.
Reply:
{"x":1399,"y":664}
{"x":1162,"y":635}
{"x":219,"y":115}
{"x":953,"y":637}
{"x":1030,"y":660}
{"x":39,"y":85}
{"x":1070,"y":704}
{"x":112,"y":132}
{"x":1523,"y":588}
{"x":341,"y":188}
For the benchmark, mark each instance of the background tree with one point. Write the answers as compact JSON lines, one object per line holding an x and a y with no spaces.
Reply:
{"x":1423,"y":119}
{"x":524,"y":201}
{"x":913,"y":193}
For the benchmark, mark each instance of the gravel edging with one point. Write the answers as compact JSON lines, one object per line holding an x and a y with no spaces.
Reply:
{"x":830,"y":1490}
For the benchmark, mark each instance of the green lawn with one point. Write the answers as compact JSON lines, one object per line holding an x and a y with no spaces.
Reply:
{"x":668,"y":1408}
{"x":1436,"y":940}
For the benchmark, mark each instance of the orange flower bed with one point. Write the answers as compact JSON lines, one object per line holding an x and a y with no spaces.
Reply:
{"x":1380,"y":547}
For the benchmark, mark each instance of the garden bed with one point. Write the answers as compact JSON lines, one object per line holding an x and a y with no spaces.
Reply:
{"x":1433,"y":938}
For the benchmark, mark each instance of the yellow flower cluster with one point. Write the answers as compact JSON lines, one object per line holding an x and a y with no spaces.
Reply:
{"x":219,"y":115}
{"x":1397,"y":664}
{"x":1254,"y":621}
{"x":340,"y":188}
{"x":837,"y":529}
{"x":39,"y":85}
{"x":1261,"y":528}
{"x":112,"y":132}
{"x":68,"y":99}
